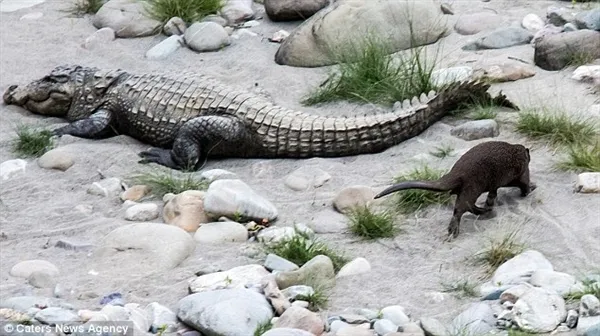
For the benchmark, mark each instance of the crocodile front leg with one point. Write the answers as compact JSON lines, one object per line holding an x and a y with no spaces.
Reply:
{"x":94,"y":127}
{"x":195,"y":140}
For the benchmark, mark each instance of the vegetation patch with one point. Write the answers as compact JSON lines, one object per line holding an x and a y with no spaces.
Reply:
{"x":372,"y":225}
{"x":558,"y":128}
{"x":483,"y":112}
{"x":442,"y":152}
{"x":582,"y":157}
{"x":460,"y":288}
{"x":499,"y":251}
{"x":590,"y":286}
{"x":411,"y":200}
{"x":82,"y":7}
{"x":317,"y":300}
{"x":32,"y":142}
{"x":188,"y":10}
{"x":162,"y":182}
{"x":263,"y":327}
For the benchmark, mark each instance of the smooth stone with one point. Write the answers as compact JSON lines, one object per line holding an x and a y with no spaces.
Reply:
{"x":221,"y":232}
{"x":41,"y":279}
{"x":447,"y":76}
{"x":514,"y":293}
{"x":161,"y":317}
{"x":396,"y":314}
{"x":519,"y":268}
{"x":216,"y":19}
{"x":447,"y":8}
{"x":354,"y":331}
{"x":589,"y":305}
{"x":175,"y":26}
{"x":142,"y":212}
{"x":571,"y":320}
{"x":352,"y":197}
{"x":135,"y":193}
{"x":293,"y":292}
{"x":165,"y":48}
{"x":237,"y":11}
{"x":237,"y":277}
{"x":8,"y":6}
{"x":478,"y":319}
{"x":24,"y":269}
{"x":99,"y":38}
{"x":476,"y":129}
{"x":412,"y":329}
{"x":354,"y":267}
{"x":501,"y":38}
{"x":569,"y":27}
{"x":127,"y":18}
{"x":506,"y":72}
{"x":225,"y":311}
{"x":56,"y":158}
{"x":71,"y":245}
{"x":384,"y":327}
{"x":433,"y":327}
{"x":291,"y":10}
{"x":539,"y":310}
{"x":111,"y":186}
{"x":300,"y":318}
{"x":532,"y":22}
{"x":206,"y":36}
{"x":12,"y":167}
{"x":56,"y":315}
{"x":473,"y":23}
{"x":276,"y":263}
{"x":185,"y":210}
{"x":329,"y":221}
{"x":218,"y":174}
{"x":234,"y":197}
{"x":317,"y":270}
{"x":558,"y":282}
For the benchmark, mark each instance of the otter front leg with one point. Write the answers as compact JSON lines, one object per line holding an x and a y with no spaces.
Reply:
{"x":196,"y":138}
{"x":95,"y":126}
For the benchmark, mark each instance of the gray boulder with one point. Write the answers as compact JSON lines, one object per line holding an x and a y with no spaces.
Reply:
{"x":311,"y":44}
{"x":588,"y":19}
{"x":289,"y":10}
{"x":556,"y":52}
{"x":476,"y":129}
{"x":128,"y":18}
{"x":501,"y":38}
{"x":206,"y":36}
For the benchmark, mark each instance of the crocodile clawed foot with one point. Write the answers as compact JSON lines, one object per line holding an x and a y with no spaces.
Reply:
{"x":159,"y":156}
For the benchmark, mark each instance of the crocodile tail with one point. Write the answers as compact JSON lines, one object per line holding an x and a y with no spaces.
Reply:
{"x":443,"y":184}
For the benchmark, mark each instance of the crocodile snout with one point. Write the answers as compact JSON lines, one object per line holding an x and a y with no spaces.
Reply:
{"x":9,"y":95}
{"x":15,"y":95}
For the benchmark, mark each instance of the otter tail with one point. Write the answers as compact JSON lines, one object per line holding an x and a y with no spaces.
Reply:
{"x":439,"y":185}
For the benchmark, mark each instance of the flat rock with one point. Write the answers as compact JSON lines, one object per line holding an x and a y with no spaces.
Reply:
{"x":506,"y":72}
{"x":352,"y":197}
{"x":73,"y":245}
{"x":593,"y":330}
{"x":555,"y":52}
{"x":329,"y":220}
{"x":108,"y":187}
{"x":300,"y":318}
{"x":501,"y":38}
{"x":558,"y":282}
{"x":225,"y":311}
{"x":127,"y":18}
{"x":478,"y":319}
{"x":274,"y":262}
{"x":185,"y":210}
{"x":25,"y":303}
{"x":384,"y":327}
{"x":221,"y":232}
{"x":12,"y":167}
{"x":290,"y":10}
{"x":99,"y":38}
{"x":56,"y":158}
{"x":25,"y":268}
{"x":588,"y":19}
{"x":206,"y":36}
{"x":539,"y":311}
{"x":7,"y":6}
{"x":142,"y":212}
{"x":153,"y":246}
{"x":237,"y":277}
{"x":175,"y":26}
{"x":446,"y":76}
{"x":473,"y":23}
{"x":135,"y":193}
{"x":519,"y":268}
{"x":355,"y":267}
{"x":476,"y":129}
{"x":216,"y":19}
{"x":304,"y":178}
{"x":54,"y":315}
{"x":165,"y":48}
{"x":354,"y":331}
{"x":433,"y":327}
{"x":318,"y":270}
{"x":310,"y":44}
{"x":234,"y":197}
{"x":237,"y":11}
{"x":287,"y":332}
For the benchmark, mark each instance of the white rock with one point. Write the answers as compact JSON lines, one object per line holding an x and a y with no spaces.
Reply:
{"x":478,"y":319}
{"x":355,"y":267}
{"x":175,"y":26}
{"x":128,"y":18}
{"x":14,"y":5}
{"x":384,"y":327}
{"x":533,"y":22}
{"x":12,"y":167}
{"x":450,"y":75}
{"x":558,"y":282}
{"x":587,"y":73}
{"x":519,"y":268}
{"x":99,"y":38}
{"x":57,"y":158}
{"x":234,"y":197}
{"x":396,"y":314}
{"x":32,"y":16}
{"x":237,"y":277}
{"x":588,"y":182}
{"x":539,"y":310}
{"x":25,"y":268}
{"x":206,"y":36}
{"x":165,"y":48}
{"x":221,"y":232}
{"x":237,"y":11}
{"x":218,"y":174}
{"x":107,"y":187}
{"x":275,"y":234}
{"x":589,"y":305}
{"x":160,"y":316}
{"x":585,"y":323}
{"x":142,"y":212}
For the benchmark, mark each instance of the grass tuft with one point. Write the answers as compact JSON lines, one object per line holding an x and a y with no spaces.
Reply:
{"x":582,"y":157}
{"x":442,"y":152}
{"x":318,"y":299}
{"x":299,"y":249}
{"x":372,"y":225}
{"x":188,"y":10}
{"x":366,"y":73}
{"x":461,"y":288}
{"x":483,"y":112}
{"x":558,"y":128}
{"x":263,"y":327}
{"x":163,"y":182}
{"x":590,"y":286}
{"x":414,"y":199}
{"x":82,"y":7}
{"x":499,"y":251}
{"x":578,"y":58}
{"x":32,"y":142}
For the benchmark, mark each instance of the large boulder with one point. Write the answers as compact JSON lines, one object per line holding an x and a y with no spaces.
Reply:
{"x":289,"y":10}
{"x":555,"y":52}
{"x":312,"y":43}
{"x":128,"y":18}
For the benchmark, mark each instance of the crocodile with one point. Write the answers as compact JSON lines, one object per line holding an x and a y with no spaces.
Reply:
{"x":188,"y":118}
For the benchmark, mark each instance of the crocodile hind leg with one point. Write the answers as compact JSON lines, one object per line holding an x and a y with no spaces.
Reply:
{"x":194,"y":141}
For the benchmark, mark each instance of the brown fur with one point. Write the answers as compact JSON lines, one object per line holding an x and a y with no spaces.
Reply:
{"x":483,"y":168}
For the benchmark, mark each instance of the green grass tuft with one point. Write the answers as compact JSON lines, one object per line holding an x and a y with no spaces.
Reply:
{"x":582,"y":157}
{"x":164,"y":182}
{"x":263,"y":327}
{"x":300,"y":248}
{"x":188,"y":10}
{"x":461,"y":288}
{"x":499,"y":251}
{"x":414,"y":199}
{"x":366,"y":72}
{"x":442,"y":152}
{"x":372,"y":225}
{"x":32,"y":142}
{"x":590,"y":286}
{"x":316,"y":301}
{"x":82,"y":7}
{"x":558,"y":128}
{"x":483,"y":112}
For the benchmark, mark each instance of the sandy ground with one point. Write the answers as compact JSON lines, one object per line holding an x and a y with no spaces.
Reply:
{"x":39,"y":207}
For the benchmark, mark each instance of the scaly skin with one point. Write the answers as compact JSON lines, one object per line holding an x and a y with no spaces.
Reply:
{"x":189,"y":118}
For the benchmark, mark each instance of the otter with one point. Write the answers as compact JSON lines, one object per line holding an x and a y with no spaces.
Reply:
{"x":483,"y":168}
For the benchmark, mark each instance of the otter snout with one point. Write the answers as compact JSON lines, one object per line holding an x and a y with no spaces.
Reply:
{"x":14,"y":96}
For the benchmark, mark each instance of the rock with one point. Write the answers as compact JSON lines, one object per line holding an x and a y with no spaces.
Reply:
{"x":559,"y":16}
{"x":558,"y":282}
{"x":569,"y":27}
{"x":519,"y":268}
{"x":396,"y":314}
{"x":56,"y":158}
{"x":56,"y":315}
{"x":412,"y":329}
{"x":548,"y":30}
{"x":41,"y":279}
{"x":478,"y":319}
{"x":593,"y":330}
{"x":476,"y":129}
{"x":225,"y":311}
{"x":275,"y":297}
{"x":433,"y":327}
{"x":206,"y":36}
{"x":572,"y":318}
{"x":276,"y":263}
{"x":72,"y":245}
{"x":238,"y":33}
{"x":12,"y":167}
{"x":290,"y":10}
{"x":279,"y":36}
{"x":532,"y":22}
{"x":25,"y":303}
{"x":539,"y":311}
{"x":352,"y":197}
{"x":221,"y":232}
{"x":161,"y":317}
{"x":275,"y":234}
{"x":587,"y":73}
{"x":237,"y":277}
{"x":142,"y":212}
{"x":127,"y":18}
{"x":304,"y":178}
{"x":287,"y":332}
{"x":153,"y":246}
{"x":310,"y":44}
{"x":589,"y":306}
{"x":473,"y":23}
{"x":135,"y":193}
{"x":555,"y":52}
{"x":506,"y":72}
{"x":514,"y":293}
{"x":234,"y":197}
{"x":24,"y":269}
{"x":354,"y":267}
{"x":216,"y":19}
{"x":384,"y":327}
{"x":175,"y":26}
{"x":300,"y":318}
{"x":237,"y":11}
{"x":165,"y":48}
{"x":446,"y":76}
{"x":447,"y":8}
{"x":329,"y":221}
{"x":588,"y":19}
{"x":299,"y":290}
{"x":318,"y":270}
{"x":501,"y":38}
{"x":354,"y":331}
{"x":218,"y":174}
{"x":108,"y":187}
{"x":185,"y":210}
{"x":99,"y":38}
